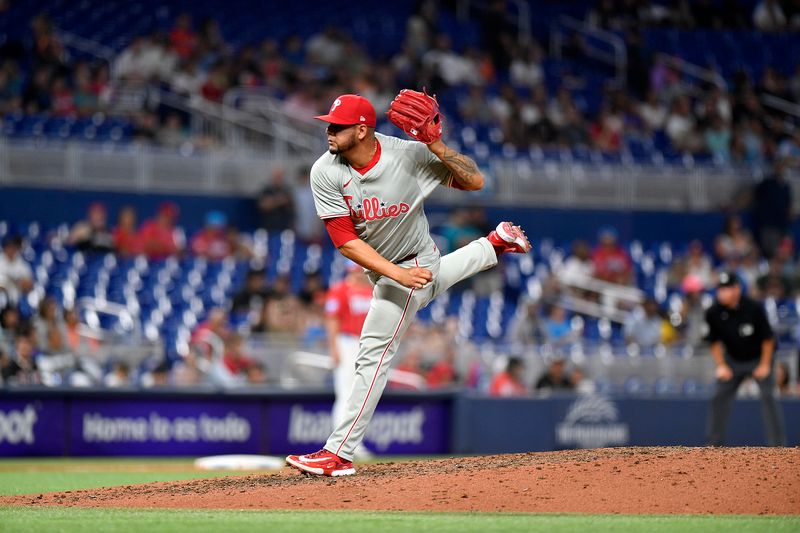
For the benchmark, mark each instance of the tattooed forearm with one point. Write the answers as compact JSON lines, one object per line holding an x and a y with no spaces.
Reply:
{"x":465,"y":171}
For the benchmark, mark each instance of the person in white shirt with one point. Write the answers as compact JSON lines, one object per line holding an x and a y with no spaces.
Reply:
{"x":16,"y":276}
{"x":769,"y":16}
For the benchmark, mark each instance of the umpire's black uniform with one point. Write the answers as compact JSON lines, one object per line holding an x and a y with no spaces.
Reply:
{"x":741,"y":329}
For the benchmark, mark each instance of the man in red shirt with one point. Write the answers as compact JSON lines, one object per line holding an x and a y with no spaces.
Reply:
{"x":157,"y":235}
{"x":213,"y":242}
{"x":611,"y":262}
{"x":346,"y":306}
{"x":509,"y":382}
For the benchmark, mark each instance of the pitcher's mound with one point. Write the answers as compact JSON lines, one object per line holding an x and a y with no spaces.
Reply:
{"x":618,"y":480}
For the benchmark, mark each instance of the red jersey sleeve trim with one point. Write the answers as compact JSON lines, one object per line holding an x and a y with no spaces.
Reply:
{"x":341,"y":229}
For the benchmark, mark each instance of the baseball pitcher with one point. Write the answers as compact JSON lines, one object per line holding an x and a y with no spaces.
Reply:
{"x":369,"y":189}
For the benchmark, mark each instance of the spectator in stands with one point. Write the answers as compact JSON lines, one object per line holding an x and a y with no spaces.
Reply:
{"x":126,"y":238}
{"x":698,"y":264}
{"x":257,"y":374}
{"x":653,"y":112}
{"x":555,"y":378}
{"x":158,"y":235}
{"x":172,"y":134}
{"x":783,"y":382}
{"x":610,"y":261}
{"x":11,"y":325}
{"x":526,"y":66}
{"x":49,"y":326}
{"x":409,"y":373}
{"x":36,"y":96}
{"x":157,"y":377}
{"x":307,"y":224}
{"x":692,"y":312}
{"x":276,"y":203}
{"x":16,"y":276}
{"x":21,"y":368}
{"x":607,"y":131}
{"x":92,"y":235}
{"x":253,"y":296}
{"x":734,"y":243}
{"x":774,"y":283}
{"x":556,"y":327}
{"x":283,"y":311}
{"x":84,"y":97}
{"x":120,"y":376}
{"x":526,"y":325}
{"x":187,"y":79}
{"x":213,"y":241}
{"x":62,"y":102}
{"x":216,"y":83}
{"x":231,"y":370}
{"x":772,"y":209}
{"x":10,"y":89}
{"x":768,"y":16}
{"x":717,"y":138}
{"x":681,"y":127}
{"x":208,"y":338}
{"x":458,"y":230}
{"x":644,"y":326}
{"x":78,"y":342}
{"x":579,"y":266}
{"x":443,"y":372}
{"x":182,"y":38}
{"x":509,"y":382}
{"x":580,"y":383}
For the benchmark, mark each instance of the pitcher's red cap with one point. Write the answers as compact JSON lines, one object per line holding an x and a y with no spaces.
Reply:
{"x":350,"y":109}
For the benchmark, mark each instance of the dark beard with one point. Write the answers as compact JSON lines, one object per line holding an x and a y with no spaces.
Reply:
{"x":343,"y":147}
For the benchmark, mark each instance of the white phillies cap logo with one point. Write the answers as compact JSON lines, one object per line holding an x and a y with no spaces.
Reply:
{"x":336,"y":103}
{"x":362,"y":118}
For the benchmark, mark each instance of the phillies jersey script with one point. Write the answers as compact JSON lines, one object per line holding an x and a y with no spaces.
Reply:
{"x":386,"y":203}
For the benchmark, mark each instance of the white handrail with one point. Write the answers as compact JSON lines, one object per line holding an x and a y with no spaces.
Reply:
{"x":618,"y":59}
{"x":696,"y":71}
{"x":782,"y":105}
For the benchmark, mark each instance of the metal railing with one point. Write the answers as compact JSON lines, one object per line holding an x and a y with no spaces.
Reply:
{"x":694,"y":71}
{"x":520,"y":182}
{"x":614,"y":54}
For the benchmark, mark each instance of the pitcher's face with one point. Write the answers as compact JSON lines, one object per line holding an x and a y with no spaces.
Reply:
{"x":341,"y":138}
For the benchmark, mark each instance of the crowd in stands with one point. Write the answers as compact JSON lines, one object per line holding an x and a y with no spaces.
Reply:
{"x":500,"y":84}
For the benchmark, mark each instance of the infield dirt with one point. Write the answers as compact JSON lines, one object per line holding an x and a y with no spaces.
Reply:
{"x":617,"y":480}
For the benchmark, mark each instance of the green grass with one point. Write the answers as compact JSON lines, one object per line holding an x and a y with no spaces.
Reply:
{"x":29,"y":476}
{"x":111,"y":520}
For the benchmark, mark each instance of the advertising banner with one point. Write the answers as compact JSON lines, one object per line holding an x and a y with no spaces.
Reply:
{"x":31,"y":427}
{"x":415,"y":427}
{"x":130,"y":426}
{"x":491,"y":425}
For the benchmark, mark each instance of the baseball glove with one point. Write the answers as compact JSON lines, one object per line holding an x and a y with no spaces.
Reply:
{"x":417,"y":114}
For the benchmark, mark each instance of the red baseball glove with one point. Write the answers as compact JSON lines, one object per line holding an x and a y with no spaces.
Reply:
{"x":417,"y":114}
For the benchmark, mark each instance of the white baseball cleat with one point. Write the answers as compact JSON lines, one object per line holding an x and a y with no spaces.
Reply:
{"x":508,"y":238}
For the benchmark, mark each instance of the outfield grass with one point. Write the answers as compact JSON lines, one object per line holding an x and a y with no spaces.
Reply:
{"x":124,"y":520}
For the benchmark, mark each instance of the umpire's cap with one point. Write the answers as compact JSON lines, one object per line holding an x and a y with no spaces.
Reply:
{"x":727,"y":279}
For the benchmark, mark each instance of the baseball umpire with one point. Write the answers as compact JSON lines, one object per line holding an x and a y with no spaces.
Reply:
{"x":742,"y":345}
{"x":370,"y":190}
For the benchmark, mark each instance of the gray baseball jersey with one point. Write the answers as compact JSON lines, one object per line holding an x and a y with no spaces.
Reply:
{"x":386,"y":203}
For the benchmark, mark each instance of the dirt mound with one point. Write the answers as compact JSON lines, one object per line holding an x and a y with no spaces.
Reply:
{"x":619,"y":480}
